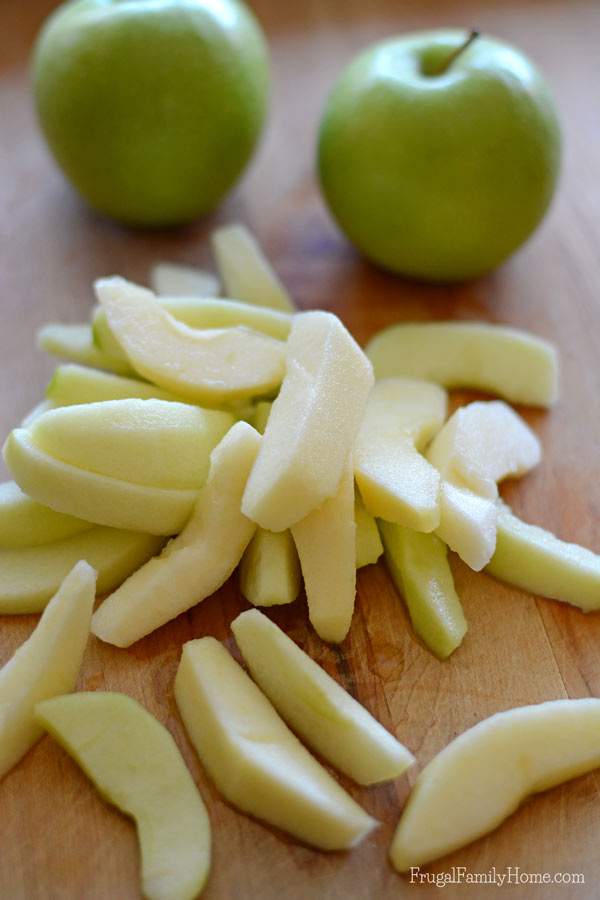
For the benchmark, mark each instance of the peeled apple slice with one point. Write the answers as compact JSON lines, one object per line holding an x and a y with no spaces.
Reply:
{"x":419,"y":568}
{"x":31,"y":575}
{"x":483,"y":775}
{"x":25,"y":523}
{"x":197,"y":562}
{"x":319,"y":710}
{"x":176,"y":280}
{"x":510,"y":363}
{"x":46,"y":664}
{"x":312,"y":425}
{"x":326,"y":544}
{"x":254,"y":759}
{"x":270,"y":569}
{"x":483,"y":443}
{"x":396,"y":483}
{"x":72,"y":384}
{"x":39,"y":409}
{"x":93,"y":497}
{"x":245,"y":271}
{"x":75,"y":343}
{"x":368,"y":543}
{"x":135,"y":764}
{"x":151,"y":442}
{"x":468,"y":524}
{"x":537,"y":561}
{"x":215,"y":366}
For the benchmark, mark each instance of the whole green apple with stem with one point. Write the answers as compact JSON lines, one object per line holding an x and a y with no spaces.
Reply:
{"x":439,"y":153}
{"x":152,"y":108}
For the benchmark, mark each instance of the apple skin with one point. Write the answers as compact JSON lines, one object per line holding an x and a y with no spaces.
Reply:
{"x":439,"y":177}
{"x":151,"y":108}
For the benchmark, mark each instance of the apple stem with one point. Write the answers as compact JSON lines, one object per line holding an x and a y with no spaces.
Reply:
{"x":472,"y":36}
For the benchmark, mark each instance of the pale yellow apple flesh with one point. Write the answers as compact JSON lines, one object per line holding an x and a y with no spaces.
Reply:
{"x":245,"y":271}
{"x":312,"y":425}
{"x":197,"y":562}
{"x":537,"y":561}
{"x":483,"y":775}
{"x":483,"y":443}
{"x":47,"y":663}
{"x":270,"y":569}
{"x":368,"y":542}
{"x":136,"y":765}
{"x":318,"y":709}
{"x":93,"y":497}
{"x":260,"y":415}
{"x":72,"y":384}
{"x":39,"y":409}
{"x":75,"y":343}
{"x":510,"y":363}
{"x":468,"y":524}
{"x":214,"y":366}
{"x":326,"y":544}
{"x":419,"y":568}
{"x":25,"y":523}
{"x":396,"y":482}
{"x":176,"y":280}
{"x":150,"y":442}
{"x":31,"y":575}
{"x":254,"y":759}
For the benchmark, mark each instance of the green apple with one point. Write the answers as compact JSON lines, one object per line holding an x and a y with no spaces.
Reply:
{"x":483,"y":775}
{"x":136,"y":765}
{"x":151,"y":108}
{"x":47,"y":663}
{"x":436,"y":161}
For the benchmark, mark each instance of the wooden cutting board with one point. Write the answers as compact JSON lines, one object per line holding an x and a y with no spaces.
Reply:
{"x":57,"y":839}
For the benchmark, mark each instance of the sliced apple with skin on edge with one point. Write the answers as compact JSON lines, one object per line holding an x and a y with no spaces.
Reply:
{"x":177,"y":280}
{"x":508,"y":362}
{"x":72,"y":384}
{"x":95,"y":498}
{"x":45,"y":665}
{"x":396,"y":482}
{"x":321,"y":712}
{"x":254,"y":759}
{"x":135,"y":764}
{"x":270,"y":569}
{"x":215,"y":366}
{"x":245,"y":271}
{"x":419,"y":568}
{"x":25,"y":523}
{"x":535,"y":560}
{"x":326,"y":543}
{"x":31,"y":575}
{"x":157,"y":443}
{"x":196,"y":563}
{"x":368,"y":542}
{"x":76,"y":343}
{"x":312,"y":425}
{"x":483,"y":775}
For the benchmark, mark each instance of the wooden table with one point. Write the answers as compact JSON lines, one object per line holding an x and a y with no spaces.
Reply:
{"x":58,"y":840}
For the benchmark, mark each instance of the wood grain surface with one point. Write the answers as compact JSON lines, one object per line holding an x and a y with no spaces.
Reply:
{"x":57,"y":839}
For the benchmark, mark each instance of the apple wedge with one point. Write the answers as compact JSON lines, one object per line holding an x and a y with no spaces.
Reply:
{"x":419,"y":568}
{"x":215,"y":366}
{"x":93,"y":497}
{"x":312,"y":425}
{"x":176,"y":280}
{"x":468,"y":524}
{"x":368,"y":542}
{"x":254,"y":759}
{"x":396,"y":483}
{"x":199,"y":560}
{"x":510,"y":363}
{"x":245,"y":271}
{"x":326,"y":544}
{"x":483,"y":443}
{"x":150,"y":442}
{"x":484,"y":774}
{"x":39,"y":409}
{"x":25,"y":523}
{"x":136,"y":765}
{"x":537,"y":561}
{"x":75,"y":343}
{"x":72,"y":384}
{"x":260,"y":415}
{"x":318,"y":709}
{"x":270,"y":569}
{"x":31,"y":575}
{"x":47,"y":663}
